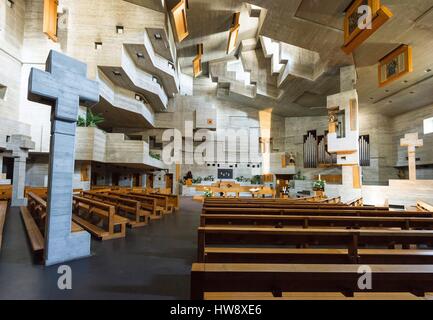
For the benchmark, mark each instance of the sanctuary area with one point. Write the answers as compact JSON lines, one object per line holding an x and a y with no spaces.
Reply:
{"x":216,"y":150}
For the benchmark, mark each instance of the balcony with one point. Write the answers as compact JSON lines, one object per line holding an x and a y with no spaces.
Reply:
{"x":122,"y":108}
{"x":145,"y":58}
{"x":126,"y":74}
{"x":93,"y":144}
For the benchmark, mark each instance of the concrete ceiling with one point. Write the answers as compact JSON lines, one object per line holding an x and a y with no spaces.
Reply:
{"x":151,"y":4}
{"x":317,"y":26}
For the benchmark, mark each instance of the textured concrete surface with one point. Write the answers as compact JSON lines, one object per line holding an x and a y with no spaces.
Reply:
{"x":64,"y":86}
{"x":153,"y":262}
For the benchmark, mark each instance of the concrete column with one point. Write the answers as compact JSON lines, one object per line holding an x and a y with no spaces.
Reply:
{"x":19,"y":182}
{"x":63,"y":86}
{"x":20,"y":146}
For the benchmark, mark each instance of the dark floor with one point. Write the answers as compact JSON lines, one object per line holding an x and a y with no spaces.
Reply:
{"x":153,"y":262}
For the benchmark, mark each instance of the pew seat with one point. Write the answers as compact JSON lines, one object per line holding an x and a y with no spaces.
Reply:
{"x":3,"y":211}
{"x":296,"y":278}
{"x":312,"y":256}
{"x":34,"y":234}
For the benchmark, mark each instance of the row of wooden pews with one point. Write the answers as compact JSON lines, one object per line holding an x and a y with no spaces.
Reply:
{"x":103,"y":212}
{"x":285,"y":247}
{"x":34,"y":218}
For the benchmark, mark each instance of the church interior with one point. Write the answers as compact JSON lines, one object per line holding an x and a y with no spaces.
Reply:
{"x":216,"y":150}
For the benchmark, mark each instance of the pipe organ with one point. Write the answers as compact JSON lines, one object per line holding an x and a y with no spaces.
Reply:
{"x":325,"y":158}
{"x":316,"y":153}
{"x":364,"y":151}
{"x":310,"y":149}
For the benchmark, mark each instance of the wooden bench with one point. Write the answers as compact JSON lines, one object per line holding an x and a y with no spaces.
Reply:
{"x":130,"y":209}
{"x":35,"y":236}
{"x":147,"y":203}
{"x":315,"y":212}
{"x":309,"y":221}
{"x":98,"y":218}
{"x":6,"y":192}
{"x":161,"y":201}
{"x":356,"y":203}
{"x":343,"y":239}
{"x":280,"y":278}
{"x":424,"y":206}
{"x":173,"y":200}
{"x":290,"y":205}
{"x":317,"y":255}
{"x":34,"y":218}
{"x":3,"y":211}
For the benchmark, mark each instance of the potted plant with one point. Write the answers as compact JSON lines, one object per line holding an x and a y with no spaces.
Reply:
{"x":208,"y":193}
{"x":209,"y":178}
{"x":319,"y":187}
{"x":197,"y":180}
{"x":256,"y":180}
{"x":91,"y":120}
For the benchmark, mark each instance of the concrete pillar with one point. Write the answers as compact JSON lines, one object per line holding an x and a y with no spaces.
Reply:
{"x":20,"y":146}
{"x":63,"y":86}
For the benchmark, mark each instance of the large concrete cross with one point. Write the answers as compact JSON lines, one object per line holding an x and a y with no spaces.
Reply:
{"x":412,"y":142}
{"x":64,"y":86}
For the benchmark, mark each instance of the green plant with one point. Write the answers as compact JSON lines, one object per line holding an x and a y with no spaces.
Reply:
{"x":242,"y":179}
{"x":91,"y":120}
{"x":155,"y":155}
{"x":208,"y":193}
{"x":319,"y":185}
{"x":209,"y":178}
{"x":197,"y":180}
{"x":256,"y":180}
{"x":299,"y":176}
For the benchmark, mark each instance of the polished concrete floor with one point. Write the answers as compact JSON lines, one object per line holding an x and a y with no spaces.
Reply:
{"x":153,"y":262}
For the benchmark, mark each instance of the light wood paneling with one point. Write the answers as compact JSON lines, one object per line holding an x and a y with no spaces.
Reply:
{"x":180,"y":21}
{"x":50,"y":19}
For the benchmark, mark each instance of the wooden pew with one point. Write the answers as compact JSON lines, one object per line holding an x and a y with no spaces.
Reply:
{"x":424,"y":206}
{"x":288,"y":206}
{"x":173,"y":200}
{"x":316,"y":255}
{"x":6,"y":192}
{"x":356,"y":203}
{"x":3,"y":211}
{"x":98,"y":218}
{"x":280,"y":278}
{"x":344,"y":239}
{"x":161,"y":201}
{"x":130,"y":209}
{"x":315,"y":212}
{"x":308,"y":221}
{"x":34,"y":218}
{"x":147,"y":203}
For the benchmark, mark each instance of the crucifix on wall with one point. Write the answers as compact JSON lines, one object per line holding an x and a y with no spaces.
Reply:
{"x":412,"y":142}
